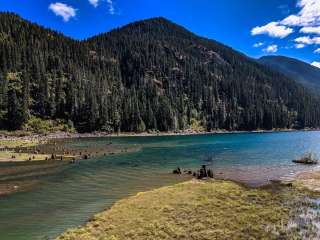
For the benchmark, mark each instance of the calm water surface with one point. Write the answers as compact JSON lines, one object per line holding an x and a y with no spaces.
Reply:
{"x":69,"y":196}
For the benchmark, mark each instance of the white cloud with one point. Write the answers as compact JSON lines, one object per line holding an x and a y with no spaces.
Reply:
{"x":304,"y":40}
{"x":309,"y":14}
{"x":273,"y":29}
{"x":308,"y":40}
{"x":292,"y":20}
{"x":317,"y":50}
{"x":258,"y":44}
{"x":316,"y":64}
{"x":63,"y":10}
{"x":271,"y":49}
{"x":315,"y":30}
{"x":300,"y":45}
{"x":111,"y":7}
{"x":94,"y":2}
{"x":308,"y":18}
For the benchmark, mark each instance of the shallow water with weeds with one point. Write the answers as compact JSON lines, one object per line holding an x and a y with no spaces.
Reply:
{"x":305,"y":218}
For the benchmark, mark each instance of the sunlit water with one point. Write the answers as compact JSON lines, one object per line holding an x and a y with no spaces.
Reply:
{"x":70,"y":195}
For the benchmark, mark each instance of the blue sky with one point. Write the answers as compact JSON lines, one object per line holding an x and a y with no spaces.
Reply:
{"x":255,"y":27}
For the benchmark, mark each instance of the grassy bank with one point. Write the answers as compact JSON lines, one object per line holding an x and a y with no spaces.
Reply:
{"x":17,"y":145}
{"x":14,"y":150}
{"x":196,"y":210}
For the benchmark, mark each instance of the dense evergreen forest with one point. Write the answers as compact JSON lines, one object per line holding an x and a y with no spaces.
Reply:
{"x":149,"y":75}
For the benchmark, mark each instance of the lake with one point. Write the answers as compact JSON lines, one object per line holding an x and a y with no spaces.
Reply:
{"x":68,"y":196}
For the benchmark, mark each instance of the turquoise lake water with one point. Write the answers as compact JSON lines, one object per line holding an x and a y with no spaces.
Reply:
{"x":70,"y":195}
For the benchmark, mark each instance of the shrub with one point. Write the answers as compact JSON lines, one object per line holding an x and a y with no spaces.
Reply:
{"x":43,"y":126}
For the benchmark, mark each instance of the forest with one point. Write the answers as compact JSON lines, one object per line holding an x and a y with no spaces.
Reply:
{"x":148,"y":75}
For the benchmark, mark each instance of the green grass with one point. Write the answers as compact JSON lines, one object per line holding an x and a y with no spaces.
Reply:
{"x":192,"y":210}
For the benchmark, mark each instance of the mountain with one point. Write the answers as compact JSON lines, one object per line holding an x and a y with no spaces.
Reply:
{"x":302,"y":72}
{"x":151,"y":74}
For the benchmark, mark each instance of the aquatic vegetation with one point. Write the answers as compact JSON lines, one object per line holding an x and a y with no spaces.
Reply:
{"x":14,"y":149}
{"x":196,"y":210}
{"x":304,"y":222}
{"x":18,"y":143}
{"x":13,"y":156}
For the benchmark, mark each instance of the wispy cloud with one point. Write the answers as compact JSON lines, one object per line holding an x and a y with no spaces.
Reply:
{"x":284,"y":9}
{"x":316,"y":64}
{"x":94,"y":2}
{"x":317,"y":50}
{"x":63,"y":10}
{"x":273,"y":29}
{"x":111,"y":7}
{"x":271,"y":49}
{"x":299,"y":45}
{"x":258,"y":44}
{"x":110,"y":3}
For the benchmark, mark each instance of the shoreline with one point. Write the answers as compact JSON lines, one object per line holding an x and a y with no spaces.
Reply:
{"x":309,"y":179}
{"x":15,"y":146}
{"x":69,"y":135}
{"x":301,"y":193}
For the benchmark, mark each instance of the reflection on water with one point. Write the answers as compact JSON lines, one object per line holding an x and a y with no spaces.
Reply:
{"x":69,"y":194}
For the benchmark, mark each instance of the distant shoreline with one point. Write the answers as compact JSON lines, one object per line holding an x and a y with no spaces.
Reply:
{"x":190,"y":133}
{"x":68,"y":135}
{"x":13,"y":144}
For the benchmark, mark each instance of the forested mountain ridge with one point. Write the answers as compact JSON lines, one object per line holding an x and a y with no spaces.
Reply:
{"x":151,"y":74}
{"x":302,"y":72}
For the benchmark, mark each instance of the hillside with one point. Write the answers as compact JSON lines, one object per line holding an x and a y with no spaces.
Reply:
{"x":151,"y":74}
{"x":302,"y":72}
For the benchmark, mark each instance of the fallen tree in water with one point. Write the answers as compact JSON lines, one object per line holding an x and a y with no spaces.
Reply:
{"x":307,"y":159}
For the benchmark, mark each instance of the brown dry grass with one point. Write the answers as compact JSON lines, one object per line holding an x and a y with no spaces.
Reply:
{"x":192,"y":210}
{"x":309,"y":180}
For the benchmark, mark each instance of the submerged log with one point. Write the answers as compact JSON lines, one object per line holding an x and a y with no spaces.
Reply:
{"x":210,"y":173}
{"x":204,"y":173}
{"x":177,"y":171}
{"x":308,"y":159}
{"x":73,"y":161}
